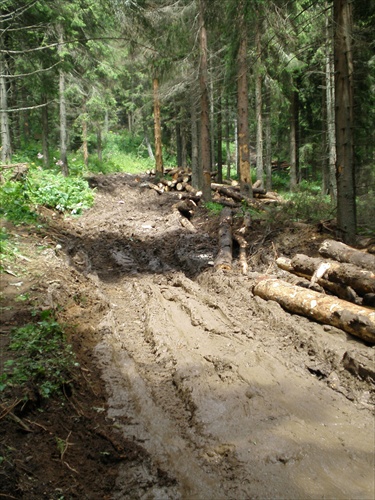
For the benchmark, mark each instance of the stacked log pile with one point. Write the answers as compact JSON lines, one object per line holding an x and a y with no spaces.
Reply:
{"x":227,"y":194}
{"x":341,"y":292}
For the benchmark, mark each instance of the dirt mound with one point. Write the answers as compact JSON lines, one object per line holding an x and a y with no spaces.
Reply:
{"x":205,"y":391}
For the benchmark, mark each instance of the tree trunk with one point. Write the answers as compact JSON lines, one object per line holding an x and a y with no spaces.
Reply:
{"x":243,"y":108}
{"x":85,"y":143}
{"x":147,"y":141}
{"x":330,"y":107}
{"x":157,"y":128}
{"x":212,"y":119}
{"x":99,"y":143}
{"x":197,"y":173}
{"x":184,"y":153}
{"x":268,"y":138}
{"x":63,"y":126}
{"x":294,"y":142}
{"x":178,"y":141}
{"x":45,"y":148}
{"x":236,"y":147}
{"x":356,"y":320}
{"x":224,"y":257}
{"x":258,"y":103}
{"x":205,"y":161}
{"x":346,"y":203}
{"x":219,"y":139}
{"x":63,"y":121}
{"x":227,"y":140}
{"x":343,"y":253}
{"x":6,"y":151}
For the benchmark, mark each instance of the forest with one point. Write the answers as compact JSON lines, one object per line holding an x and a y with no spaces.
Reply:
{"x":187,"y":222}
{"x":243,"y":89}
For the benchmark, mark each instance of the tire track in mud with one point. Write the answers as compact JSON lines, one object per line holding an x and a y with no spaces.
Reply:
{"x":222,"y":416}
{"x":213,"y":382}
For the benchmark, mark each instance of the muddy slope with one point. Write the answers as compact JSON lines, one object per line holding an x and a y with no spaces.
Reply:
{"x":231,"y":396}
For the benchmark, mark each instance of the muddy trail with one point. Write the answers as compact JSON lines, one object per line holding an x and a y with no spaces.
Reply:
{"x":230,"y":396}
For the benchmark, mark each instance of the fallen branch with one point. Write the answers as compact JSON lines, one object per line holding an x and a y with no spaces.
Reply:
{"x":356,"y":320}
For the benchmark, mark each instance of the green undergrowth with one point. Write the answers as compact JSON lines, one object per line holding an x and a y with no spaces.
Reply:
{"x":40,"y":357}
{"x":19,"y":199}
{"x":213,"y":208}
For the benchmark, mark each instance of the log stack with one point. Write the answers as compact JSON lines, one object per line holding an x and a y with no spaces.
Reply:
{"x":228,"y":194}
{"x":347,"y":284}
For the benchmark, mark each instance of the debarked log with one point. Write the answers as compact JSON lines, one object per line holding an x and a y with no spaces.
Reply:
{"x":342,"y":291}
{"x":361,"y":280}
{"x":343,"y":253}
{"x":242,"y":243}
{"x":224,"y":257}
{"x":356,"y":320}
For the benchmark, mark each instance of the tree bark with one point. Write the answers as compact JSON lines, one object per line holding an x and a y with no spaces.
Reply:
{"x":356,"y":320}
{"x":197,"y":174}
{"x":346,"y":203}
{"x":343,"y":253}
{"x":157,"y":127}
{"x":294,"y":140}
{"x":258,"y":103}
{"x":205,"y":156}
{"x":242,"y":253}
{"x":361,"y":280}
{"x":99,"y":142}
{"x":227,"y":140}
{"x":243,"y":106}
{"x":342,"y":291}
{"x":45,"y":148}
{"x":6,"y":150}
{"x":330,"y":106}
{"x":268,"y":137}
{"x":224,"y":257}
{"x":85,"y":147}
{"x":219,"y":138}
{"x":62,"y":99}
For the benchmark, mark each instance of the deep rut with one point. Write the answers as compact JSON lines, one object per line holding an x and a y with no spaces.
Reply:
{"x":231,"y":396}
{"x":219,"y":414}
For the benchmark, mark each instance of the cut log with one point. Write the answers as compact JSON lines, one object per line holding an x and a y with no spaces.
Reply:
{"x":159,"y":190}
{"x":186,"y":208}
{"x":343,"y":253}
{"x":361,"y":280}
{"x":188,"y":196}
{"x":231,"y":193}
{"x":224,"y":257}
{"x":242,"y":254}
{"x":356,"y":320}
{"x":342,"y":291}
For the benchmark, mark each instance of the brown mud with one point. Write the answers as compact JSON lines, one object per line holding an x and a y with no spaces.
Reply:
{"x":189,"y":386}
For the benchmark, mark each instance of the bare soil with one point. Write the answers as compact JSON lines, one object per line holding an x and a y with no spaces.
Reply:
{"x":189,"y":386}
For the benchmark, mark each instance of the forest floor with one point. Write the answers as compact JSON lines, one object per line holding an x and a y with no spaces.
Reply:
{"x":188,"y":385}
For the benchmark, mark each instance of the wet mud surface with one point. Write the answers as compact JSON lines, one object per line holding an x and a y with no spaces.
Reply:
{"x":214,"y":392}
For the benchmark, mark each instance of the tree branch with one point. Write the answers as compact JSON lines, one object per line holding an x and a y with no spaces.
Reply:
{"x":12,"y":110}
{"x":29,"y":74}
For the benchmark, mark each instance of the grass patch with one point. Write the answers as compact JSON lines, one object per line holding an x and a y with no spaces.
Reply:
{"x":213,"y":208}
{"x":41,"y":357}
